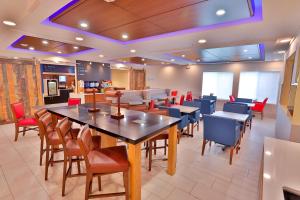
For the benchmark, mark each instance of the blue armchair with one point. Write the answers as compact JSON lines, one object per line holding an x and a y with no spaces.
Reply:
{"x":223,"y":131}
{"x":174,"y":112}
{"x":209,"y":97}
{"x":239,"y":108}
{"x":243,"y":100}
{"x":206,"y":106}
{"x":194,"y":118}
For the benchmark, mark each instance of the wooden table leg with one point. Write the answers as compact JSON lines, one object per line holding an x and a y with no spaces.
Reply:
{"x":135,"y":186}
{"x":172,"y":150}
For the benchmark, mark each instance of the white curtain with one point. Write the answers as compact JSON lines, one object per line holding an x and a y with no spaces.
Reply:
{"x":217,"y":83}
{"x":259,"y":85}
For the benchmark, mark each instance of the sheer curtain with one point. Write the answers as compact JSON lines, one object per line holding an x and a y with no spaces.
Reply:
{"x":218,"y":83}
{"x":259,"y":85}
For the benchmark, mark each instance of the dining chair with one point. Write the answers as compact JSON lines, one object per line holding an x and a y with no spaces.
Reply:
{"x":211,"y":98}
{"x":194,"y":118}
{"x":74,"y":101}
{"x":21,"y":121}
{"x":52,"y":139}
{"x":174,"y":94}
{"x":259,"y":107}
{"x":206,"y":106}
{"x":38,"y":114}
{"x":184,"y":123}
{"x":189,"y":96}
{"x":223,"y":131}
{"x":101,"y":162}
{"x":72,"y":153}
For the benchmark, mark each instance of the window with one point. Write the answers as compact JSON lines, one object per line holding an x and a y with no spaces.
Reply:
{"x":259,"y":85}
{"x":217,"y":83}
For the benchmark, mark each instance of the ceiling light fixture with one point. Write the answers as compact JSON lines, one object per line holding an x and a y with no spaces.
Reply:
{"x":83,"y":25}
{"x":79,"y":38}
{"x":59,"y":52}
{"x":90,"y":63}
{"x":201,"y":41}
{"x":221,"y":12}
{"x":285,"y":40}
{"x":281,"y":52}
{"x":45,"y":42}
{"x":9,"y":23}
{"x":31,"y":48}
{"x":172,"y":60}
{"x":124,"y":36}
{"x":245,"y":50}
{"x":101,"y":56}
{"x":132,"y":51}
{"x":24,"y":45}
{"x":76,"y":47}
{"x":183,"y":55}
{"x":143,"y":59}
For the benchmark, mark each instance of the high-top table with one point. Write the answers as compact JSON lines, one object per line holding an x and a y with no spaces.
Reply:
{"x":134,"y":129}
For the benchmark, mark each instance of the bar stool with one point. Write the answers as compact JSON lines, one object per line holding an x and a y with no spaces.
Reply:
{"x":102,"y":162}
{"x":37,"y":115}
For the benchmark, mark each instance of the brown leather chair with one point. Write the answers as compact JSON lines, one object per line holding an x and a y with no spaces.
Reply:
{"x":101,"y":162}
{"x":37,"y":115}
{"x":53,"y":141}
{"x":71,"y":149}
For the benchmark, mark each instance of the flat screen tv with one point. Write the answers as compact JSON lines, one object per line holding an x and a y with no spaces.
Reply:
{"x":62,"y":79}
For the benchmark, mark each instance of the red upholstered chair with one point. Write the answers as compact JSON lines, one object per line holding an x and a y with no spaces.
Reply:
{"x":181,"y":100}
{"x":74,"y":101}
{"x":259,"y":107}
{"x":174,"y":94}
{"x":189,"y":96}
{"x":20,"y":120}
{"x":101,"y":162}
{"x":231,"y":98}
{"x":151,"y":104}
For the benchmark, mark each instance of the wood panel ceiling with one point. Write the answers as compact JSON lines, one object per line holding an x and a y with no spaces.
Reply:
{"x":139,"y":61}
{"x":143,"y":18}
{"x":49,"y":46}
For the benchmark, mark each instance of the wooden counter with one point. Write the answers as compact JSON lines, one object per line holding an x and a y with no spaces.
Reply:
{"x":100,"y":97}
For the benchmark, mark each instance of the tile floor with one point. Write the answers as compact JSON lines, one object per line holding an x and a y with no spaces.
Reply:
{"x":207,"y":177}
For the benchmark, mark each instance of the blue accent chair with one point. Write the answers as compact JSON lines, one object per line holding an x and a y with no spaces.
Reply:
{"x":174,"y":112}
{"x":210,"y":97}
{"x":239,"y":108}
{"x":223,"y":131}
{"x":194,"y":118}
{"x":206,"y":106}
{"x":243,"y":100}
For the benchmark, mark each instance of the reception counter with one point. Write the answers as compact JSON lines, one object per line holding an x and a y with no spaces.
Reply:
{"x":281,"y":168}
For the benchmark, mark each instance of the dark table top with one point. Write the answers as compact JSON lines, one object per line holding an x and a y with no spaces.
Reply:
{"x":135,"y":127}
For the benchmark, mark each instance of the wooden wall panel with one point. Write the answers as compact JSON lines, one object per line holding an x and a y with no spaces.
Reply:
{"x":19,"y":81}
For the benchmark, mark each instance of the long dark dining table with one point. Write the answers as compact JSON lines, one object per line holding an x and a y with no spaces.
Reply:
{"x":135,"y":128}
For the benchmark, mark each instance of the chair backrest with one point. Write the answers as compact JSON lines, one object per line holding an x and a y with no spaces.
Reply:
{"x":174,"y":112}
{"x":74,"y":101}
{"x":18,"y":110}
{"x":181,"y":100}
{"x":167,"y":102}
{"x":152,"y":104}
{"x":209,"y":97}
{"x":174,"y":93}
{"x":244,"y":100}
{"x":236,"y":108}
{"x":189,"y":96}
{"x":39,"y":113}
{"x":206,"y":107}
{"x":231,"y":98}
{"x":85,"y":142}
{"x":64,"y":128}
{"x":46,"y":124}
{"x":220,"y":130}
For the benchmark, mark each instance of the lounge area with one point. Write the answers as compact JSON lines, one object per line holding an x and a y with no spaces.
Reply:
{"x":115,"y":99}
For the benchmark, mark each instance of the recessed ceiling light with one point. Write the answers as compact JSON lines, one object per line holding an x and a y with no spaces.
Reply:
{"x":101,"y":56}
{"x":267,"y":176}
{"x":79,"y":38}
{"x":59,"y":52}
{"x":221,"y":12}
{"x":245,"y":50}
{"x":83,"y":25}
{"x":172,"y":60}
{"x":198,"y":60}
{"x":143,"y":59}
{"x":76,"y":47}
{"x":90,"y":63}
{"x":9,"y":23}
{"x":285,"y":40}
{"x":45,"y":42}
{"x":31,"y":48}
{"x":16,"y":57}
{"x":103,"y":64}
{"x":250,"y":57}
{"x":124,"y":36}
{"x":281,"y":52}
{"x":24,"y":45}
{"x":201,"y":41}
{"x":183,"y":55}
{"x":132,"y":50}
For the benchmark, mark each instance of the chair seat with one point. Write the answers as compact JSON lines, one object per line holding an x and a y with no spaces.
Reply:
{"x":54,"y":138}
{"x":108,"y":160}
{"x":27,"y":122}
{"x":72,"y":148}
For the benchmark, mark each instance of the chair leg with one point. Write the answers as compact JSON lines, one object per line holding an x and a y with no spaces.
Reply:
{"x":16,"y":132}
{"x":165,"y":148}
{"x":198,"y":124}
{"x":209,"y":143}
{"x":147,"y":148}
{"x":155,"y":144}
{"x":250,"y":124}
{"x":70,"y":164}
{"x":88,"y":185}
{"x":47,"y":162}
{"x":192,"y":130}
{"x":41,"y":151}
{"x":24,"y":130}
{"x":78,"y":164}
{"x":231,"y":155}
{"x":150,"y":156}
{"x":126,"y":184}
{"x":99,"y":183}
{"x":52,"y":156}
{"x":203,"y":146}
{"x":262,"y":115}
{"x":64,"y":175}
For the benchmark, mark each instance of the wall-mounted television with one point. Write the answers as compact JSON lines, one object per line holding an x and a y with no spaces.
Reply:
{"x":62,"y":79}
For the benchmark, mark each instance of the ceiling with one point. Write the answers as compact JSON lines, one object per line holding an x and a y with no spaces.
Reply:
{"x":139,"y":19}
{"x":43,"y":45}
{"x":272,"y":20}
